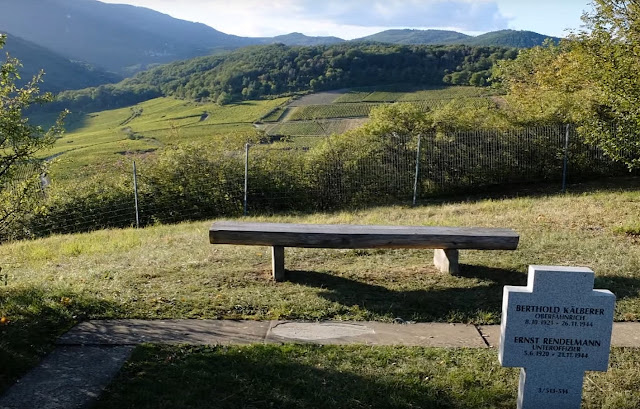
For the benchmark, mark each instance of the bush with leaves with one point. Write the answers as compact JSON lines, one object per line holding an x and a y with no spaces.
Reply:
{"x":20,"y":145}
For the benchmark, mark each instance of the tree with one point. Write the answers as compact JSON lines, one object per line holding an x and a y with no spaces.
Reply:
{"x":609,"y":56}
{"x":590,"y":79}
{"x":20,"y":142}
{"x":223,"y":99}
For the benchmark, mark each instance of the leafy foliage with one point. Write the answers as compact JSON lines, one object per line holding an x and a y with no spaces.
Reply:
{"x":275,"y":70}
{"x":20,"y":142}
{"x":590,"y":79}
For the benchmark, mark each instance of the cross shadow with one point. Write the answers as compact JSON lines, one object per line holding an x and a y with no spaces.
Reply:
{"x":460,"y":304}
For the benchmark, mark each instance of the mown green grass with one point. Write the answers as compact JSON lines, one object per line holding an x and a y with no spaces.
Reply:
{"x":171,"y":271}
{"x":307,"y":376}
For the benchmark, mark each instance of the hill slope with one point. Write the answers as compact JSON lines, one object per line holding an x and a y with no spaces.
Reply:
{"x":276,"y":70}
{"x":510,"y":38}
{"x":115,"y":37}
{"x":417,"y":37}
{"x":501,"y":38}
{"x":301,"y":39}
{"x":60,"y":73}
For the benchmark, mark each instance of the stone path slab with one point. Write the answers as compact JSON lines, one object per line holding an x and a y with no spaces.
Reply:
{"x":376,"y":333}
{"x":212,"y":332}
{"x":197,"y":332}
{"x":68,"y":378}
{"x":90,"y":355}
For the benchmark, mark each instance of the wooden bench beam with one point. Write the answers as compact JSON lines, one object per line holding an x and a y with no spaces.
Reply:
{"x":445,"y":240}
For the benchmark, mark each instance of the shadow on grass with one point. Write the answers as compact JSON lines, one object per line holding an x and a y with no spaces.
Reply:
{"x":33,"y":319}
{"x":622,"y":287}
{"x":482,"y":302}
{"x":535,"y":190}
{"x":296,"y":376}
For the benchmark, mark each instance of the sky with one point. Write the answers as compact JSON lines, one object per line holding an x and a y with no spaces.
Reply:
{"x":350,"y":19}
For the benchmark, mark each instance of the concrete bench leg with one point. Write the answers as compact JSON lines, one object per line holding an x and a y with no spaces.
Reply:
{"x":446,"y":260}
{"x":277,"y":262}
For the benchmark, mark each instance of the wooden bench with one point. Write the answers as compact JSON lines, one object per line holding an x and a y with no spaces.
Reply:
{"x":445,"y":240}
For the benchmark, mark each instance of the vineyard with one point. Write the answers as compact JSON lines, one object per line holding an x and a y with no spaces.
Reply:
{"x":321,"y":127}
{"x":362,"y":95}
{"x":275,"y":115}
{"x":311,"y":112}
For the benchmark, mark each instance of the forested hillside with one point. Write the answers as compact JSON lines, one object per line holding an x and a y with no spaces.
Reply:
{"x":510,"y":38}
{"x":60,"y":72}
{"x":501,"y":38}
{"x":408,"y":36}
{"x":275,"y":70}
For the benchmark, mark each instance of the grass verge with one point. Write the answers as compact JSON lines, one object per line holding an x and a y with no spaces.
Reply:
{"x":308,"y":376}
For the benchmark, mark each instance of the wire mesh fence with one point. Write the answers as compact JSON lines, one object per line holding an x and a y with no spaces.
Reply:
{"x":192,"y":183}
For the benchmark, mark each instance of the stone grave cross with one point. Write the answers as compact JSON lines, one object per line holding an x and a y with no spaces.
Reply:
{"x":555,"y":329}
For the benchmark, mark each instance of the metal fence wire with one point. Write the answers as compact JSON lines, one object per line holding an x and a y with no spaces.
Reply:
{"x":266,"y":179}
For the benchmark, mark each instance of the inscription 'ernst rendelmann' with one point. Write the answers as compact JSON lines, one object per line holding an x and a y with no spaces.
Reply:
{"x":557,"y":344}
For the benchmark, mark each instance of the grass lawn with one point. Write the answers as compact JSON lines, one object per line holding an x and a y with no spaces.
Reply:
{"x":171,"y":271}
{"x":303,"y":376}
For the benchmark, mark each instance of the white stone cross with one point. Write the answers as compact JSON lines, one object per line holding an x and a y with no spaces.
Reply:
{"x":555,"y":328}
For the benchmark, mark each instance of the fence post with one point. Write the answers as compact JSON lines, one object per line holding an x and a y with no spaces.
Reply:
{"x":246,"y":178}
{"x":565,"y":163}
{"x":135,"y":194}
{"x":415,"y":182}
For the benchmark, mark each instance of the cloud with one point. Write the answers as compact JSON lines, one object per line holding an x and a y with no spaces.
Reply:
{"x":465,"y":15}
{"x":313,"y":17}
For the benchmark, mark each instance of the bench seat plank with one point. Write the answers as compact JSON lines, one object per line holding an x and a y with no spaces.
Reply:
{"x":362,"y":236}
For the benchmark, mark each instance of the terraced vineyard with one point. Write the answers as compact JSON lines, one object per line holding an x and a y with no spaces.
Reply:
{"x":314,"y":128}
{"x":388,"y":96}
{"x":101,"y":139}
{"x":311,"y":112}
{"x":275,"y":115}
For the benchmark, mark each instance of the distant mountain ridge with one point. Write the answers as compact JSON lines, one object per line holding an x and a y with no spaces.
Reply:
{"x":60,"y":72}
{"x":502,"y":38}
{"x":301,"y":39}
{"x":126,"y":39}
{"x":115,"y":37}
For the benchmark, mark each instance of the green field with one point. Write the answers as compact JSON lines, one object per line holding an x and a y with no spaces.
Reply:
{"x":95,"y":141}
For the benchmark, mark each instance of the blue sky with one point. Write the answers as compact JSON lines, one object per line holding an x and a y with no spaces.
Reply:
{"x":356,"y":18}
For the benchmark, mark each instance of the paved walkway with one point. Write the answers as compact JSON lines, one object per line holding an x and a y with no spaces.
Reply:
{"x":90,"y":355}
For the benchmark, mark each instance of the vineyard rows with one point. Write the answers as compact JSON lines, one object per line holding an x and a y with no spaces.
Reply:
{"x":440,"y":93}
{"x":323,"y":127}
{"x":312,"y":112}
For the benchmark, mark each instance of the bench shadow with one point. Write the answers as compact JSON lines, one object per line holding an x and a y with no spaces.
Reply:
{"x":461,"y":304}
{"x":483,"y":300}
